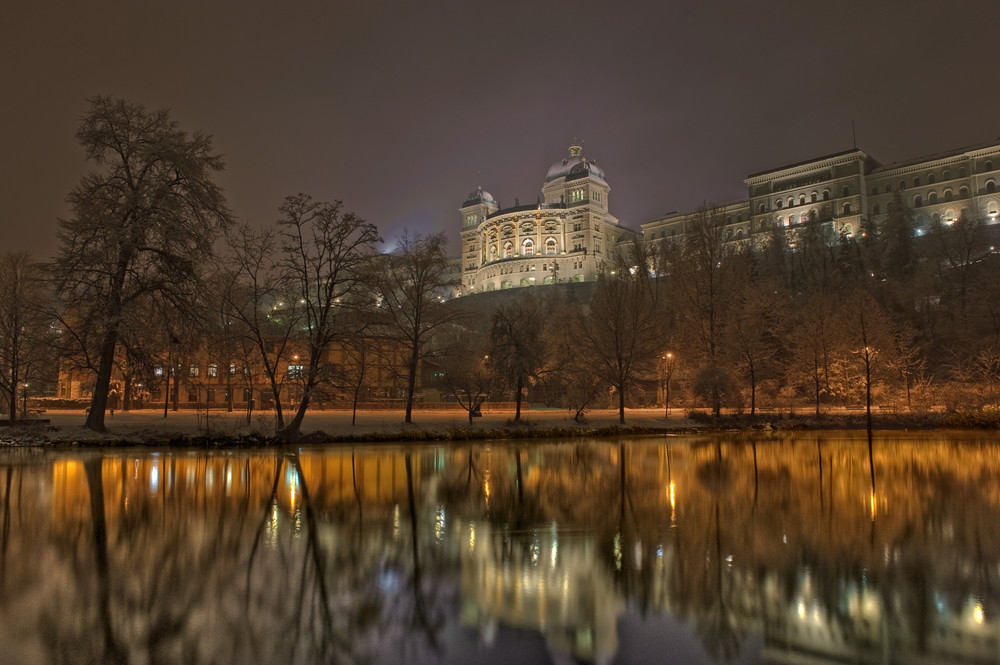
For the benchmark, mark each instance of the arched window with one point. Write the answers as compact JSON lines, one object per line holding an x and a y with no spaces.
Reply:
{"x":888,"y":188}
{"x":493,"y":252}
{"x":991,"y":187}
{"x":781,"y":221}
{"x":508,"y":249}
{"x":847,"y":208}
{"x":550,"y":245}
{"x":791,"y":219}
{"x":812,"y":197}
{"x":964,"y":192}
{"x":846,"y":191}
{"x":761,"y":208}
{"x":779,"y":204}
{"x":739,"y":234}
{"x":802,"y":199}
{"x":739,"y":219}
{"x":791,"y":202}
{"x":930,"y":178}
{"x":946,"y":175}
{"x":902,"y":185}
{"x":932,"y":197}
{"x":948,"y":196}
{"x":529,"y":248}
{"x":876,"y":210}
{"x":916,"y":182}
{"x":918,"y":201}
{"x":989,"y":165}
{"x":826,"y":194}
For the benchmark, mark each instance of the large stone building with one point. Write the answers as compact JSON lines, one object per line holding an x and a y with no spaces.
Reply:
{"x":840,"y":189}
{"x":564,"y":237}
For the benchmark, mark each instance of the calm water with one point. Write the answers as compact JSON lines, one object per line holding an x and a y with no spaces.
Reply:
{"x":644,"y":551}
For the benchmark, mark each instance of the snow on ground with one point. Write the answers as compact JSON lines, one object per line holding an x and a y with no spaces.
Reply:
{"x":151,"y":424}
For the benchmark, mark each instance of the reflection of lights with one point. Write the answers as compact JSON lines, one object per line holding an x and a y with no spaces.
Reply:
{"x":874,"y":504}
{"x":272,"y":525}
{"x":555,"y":545}
{"x":486,"y":486}
{"x":472,"y":537}
{"x":395,"y":522}
{"x":229,"y":482}
{"x":439,"y":523}
{"x":802,"y":609}
{"x":618,"y":551}
{"x":154,"y":478}
{"x":977,"y":613}
{"x":673,"y":499}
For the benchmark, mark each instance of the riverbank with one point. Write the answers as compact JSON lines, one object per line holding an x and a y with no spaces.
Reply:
{"x":149,"y":426}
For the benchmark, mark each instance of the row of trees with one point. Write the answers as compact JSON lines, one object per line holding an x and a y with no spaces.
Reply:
{"x":152,"y":268}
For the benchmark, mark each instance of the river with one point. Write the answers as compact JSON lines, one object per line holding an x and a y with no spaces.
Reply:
{"x":765,"y":548}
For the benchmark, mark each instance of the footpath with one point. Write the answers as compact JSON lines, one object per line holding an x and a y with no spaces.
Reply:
{"x":150,"y":424}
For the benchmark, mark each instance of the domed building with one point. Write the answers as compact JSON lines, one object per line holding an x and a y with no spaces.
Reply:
{"x":564,"y":237}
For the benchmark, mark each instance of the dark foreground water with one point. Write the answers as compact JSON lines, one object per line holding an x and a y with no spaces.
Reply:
{"x":658,"y":550}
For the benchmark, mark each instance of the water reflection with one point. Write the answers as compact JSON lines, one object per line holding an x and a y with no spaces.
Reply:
{"x":698,"y":549}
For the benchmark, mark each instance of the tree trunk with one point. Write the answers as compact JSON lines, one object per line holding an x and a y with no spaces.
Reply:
{"x":99,"y":401}
{"x":621,"y":405}
{"x":517,"y":399}
{"x":411,"y":385}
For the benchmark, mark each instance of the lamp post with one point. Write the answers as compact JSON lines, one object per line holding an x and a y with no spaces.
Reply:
{"x":668,"y":370}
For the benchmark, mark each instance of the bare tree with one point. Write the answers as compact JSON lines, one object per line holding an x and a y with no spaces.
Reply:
{"x":467,"y":370}
{"x":23,"y":327}
{"x":325,"y":255}
{"x":517,"y":350}
{"x":413,"y":283}
{"x":144,"y":224}
{"x":621,"y":331}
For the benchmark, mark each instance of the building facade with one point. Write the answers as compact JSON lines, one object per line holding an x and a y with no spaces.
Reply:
{"x":564,"y":237}
{"x":840,"y":190}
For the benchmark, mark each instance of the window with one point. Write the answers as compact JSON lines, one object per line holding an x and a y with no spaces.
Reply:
{"x":779,"y":204}
{"x":930,"y":178}
{"x":761,"y":209}
{"x":529,"y":248}
{"x":826,"y":194}
{"x":964,"y":192}
{"x":946,"y":175}
{"x":802,"y":199}
{"x":989,"y":165}
{"x":902,"y":185}
{"x":916,"y":182}
{"x":932,"y":197}
{"x":508,"y":249}
{"x":212,"y":370}
{"x":296,"y":371}
{"x":948,"y":196}
{"x":791,"y":202}
{"x":812,"y":197}
{"x":918,"y":201}
{"x":158,"y":370}
{"x":194,"y":370}
{"x":876,"y":210}
{"x":846,"y":191}
{"x":847,"y":208}
{"x":991,"y":187}
{"x":232,"y":368}
{"x":550,"y":246}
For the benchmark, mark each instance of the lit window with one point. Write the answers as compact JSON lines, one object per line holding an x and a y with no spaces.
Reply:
{"x":550,"y":246}
{"x":158,"y":370}
{"x":213,"y":370}
{"x":529,"y":248}
{"x":296,"y":371}
{"x":232,"y":368}
{"x":194,"y":370}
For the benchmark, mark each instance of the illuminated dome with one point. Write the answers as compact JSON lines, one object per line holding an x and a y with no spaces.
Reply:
{"x":574,"y":166}
{"x":479,"y":196}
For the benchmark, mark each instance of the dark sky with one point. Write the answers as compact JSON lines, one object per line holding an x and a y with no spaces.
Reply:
{"x":401,"y":109}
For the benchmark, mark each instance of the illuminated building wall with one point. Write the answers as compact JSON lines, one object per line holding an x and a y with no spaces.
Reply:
{"x":564,"y":237}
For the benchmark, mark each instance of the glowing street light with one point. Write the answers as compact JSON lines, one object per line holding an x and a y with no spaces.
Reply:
{"x":668,"y":370}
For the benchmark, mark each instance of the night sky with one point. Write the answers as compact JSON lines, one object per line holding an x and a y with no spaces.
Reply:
{"x":401,"y":109}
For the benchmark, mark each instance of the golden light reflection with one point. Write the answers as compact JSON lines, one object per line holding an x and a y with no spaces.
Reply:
{"x":977,"y":613}
{"x":874,"y":504}
{"x":472,"y":537}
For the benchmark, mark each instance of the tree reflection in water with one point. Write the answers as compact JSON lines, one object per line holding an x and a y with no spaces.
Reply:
{"x":760,"y":548}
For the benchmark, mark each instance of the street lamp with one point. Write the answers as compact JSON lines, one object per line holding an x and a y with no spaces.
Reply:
{"x":668,"y":370}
